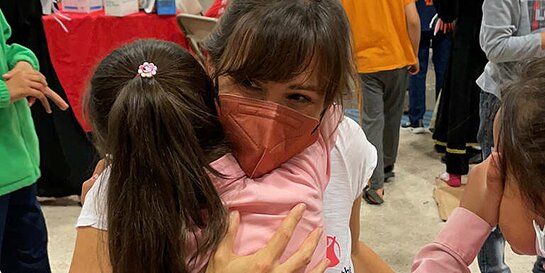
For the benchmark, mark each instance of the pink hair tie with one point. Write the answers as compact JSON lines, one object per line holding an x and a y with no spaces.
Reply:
{"x":147,"y":70}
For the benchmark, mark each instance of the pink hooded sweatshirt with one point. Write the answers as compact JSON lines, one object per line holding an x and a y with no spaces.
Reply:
{"x":456,"y":246}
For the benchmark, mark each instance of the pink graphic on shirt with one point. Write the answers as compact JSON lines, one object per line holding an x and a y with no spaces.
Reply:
{"x":535,"y":22}
{"x":536,"y":15}
{"x":333,"y":251}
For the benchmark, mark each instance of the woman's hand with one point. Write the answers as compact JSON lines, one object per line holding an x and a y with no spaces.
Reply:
{"x":484,"y":190}
{"x":265,"y":260}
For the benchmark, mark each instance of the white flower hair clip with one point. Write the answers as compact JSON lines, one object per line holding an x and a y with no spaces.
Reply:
{"x":147,"y":70}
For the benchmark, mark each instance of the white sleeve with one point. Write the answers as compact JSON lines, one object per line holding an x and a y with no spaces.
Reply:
{"x":93,"y":212}
{"x":359,"y":154}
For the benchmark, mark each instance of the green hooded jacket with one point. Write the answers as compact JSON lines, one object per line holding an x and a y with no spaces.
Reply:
{"x":19,"y":151}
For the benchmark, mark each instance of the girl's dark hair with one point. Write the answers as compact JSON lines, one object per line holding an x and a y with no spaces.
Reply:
{"x":522,"y":134}
{"x":277,"y":40}
{"x":159,"y":135}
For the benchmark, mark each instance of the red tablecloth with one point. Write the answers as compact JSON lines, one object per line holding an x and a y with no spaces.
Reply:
{"x":90,"y":38}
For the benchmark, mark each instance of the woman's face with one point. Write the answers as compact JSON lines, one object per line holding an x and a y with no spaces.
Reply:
{"x":301,"y":93}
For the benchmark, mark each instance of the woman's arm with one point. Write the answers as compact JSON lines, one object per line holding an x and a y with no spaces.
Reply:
{"x":363,"y":257}
{"x":91,"y":252}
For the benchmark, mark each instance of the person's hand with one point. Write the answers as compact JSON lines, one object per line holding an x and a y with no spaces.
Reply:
{"x":414,"y":68}
{"x":23,"y":81}
{"x":24,"y":67}
{"x":484,"y":191}
{"x":101,"y":165}
{"x":265,"y":260}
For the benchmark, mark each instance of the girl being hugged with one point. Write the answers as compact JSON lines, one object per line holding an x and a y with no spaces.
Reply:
{"x":153,"y":112}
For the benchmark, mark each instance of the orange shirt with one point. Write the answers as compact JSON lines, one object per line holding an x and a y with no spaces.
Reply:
{"x":379,"y":29}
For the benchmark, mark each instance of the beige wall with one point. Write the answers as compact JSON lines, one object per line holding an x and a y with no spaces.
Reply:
{"x":206,"y":3}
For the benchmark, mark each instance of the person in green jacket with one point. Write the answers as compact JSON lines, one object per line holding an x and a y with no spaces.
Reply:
{"x":23,"y":234}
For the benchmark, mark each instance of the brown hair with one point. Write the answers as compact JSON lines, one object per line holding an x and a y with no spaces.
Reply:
{"x":277,"y":40}
{"x":522,"y":134}
{"x":161,"y":133}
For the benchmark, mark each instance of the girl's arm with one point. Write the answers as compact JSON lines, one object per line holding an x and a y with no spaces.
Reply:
{"x":468,"y":226}
{"x":456,"y":246}
{"x":91,"y":252}
{"x":363,"y":257}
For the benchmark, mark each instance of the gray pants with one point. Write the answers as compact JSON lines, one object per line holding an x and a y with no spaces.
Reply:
{"x":383,"y":96}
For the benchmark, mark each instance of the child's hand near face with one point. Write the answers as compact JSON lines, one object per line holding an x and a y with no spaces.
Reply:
{"x":23,"y":81}
{"x":484,"y":191}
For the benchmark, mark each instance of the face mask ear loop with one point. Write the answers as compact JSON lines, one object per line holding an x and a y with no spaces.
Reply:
{"x":217,"y":91}
{"x":321,"y":118}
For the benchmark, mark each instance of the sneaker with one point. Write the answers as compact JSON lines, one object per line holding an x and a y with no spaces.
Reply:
{"x":406,"y":125}
{"x":455,"y":180}
{"x":417,"y":128}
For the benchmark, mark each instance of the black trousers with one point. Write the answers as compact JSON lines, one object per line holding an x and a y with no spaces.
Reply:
{"x":23,"y":235}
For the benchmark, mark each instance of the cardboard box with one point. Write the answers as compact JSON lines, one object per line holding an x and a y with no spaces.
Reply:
{"x":120,"y":8}
{"x":81,"y":6}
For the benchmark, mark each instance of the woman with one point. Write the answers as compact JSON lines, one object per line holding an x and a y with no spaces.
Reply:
{"x":293,"y":53}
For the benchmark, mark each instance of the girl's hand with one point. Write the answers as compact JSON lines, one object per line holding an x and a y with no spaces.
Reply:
{"x":484,"y":190}
{"x":265,"y":260}
{"x":87,"y":185}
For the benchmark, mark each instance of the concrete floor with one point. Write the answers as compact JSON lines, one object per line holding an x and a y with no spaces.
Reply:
{"x":396,"y":230}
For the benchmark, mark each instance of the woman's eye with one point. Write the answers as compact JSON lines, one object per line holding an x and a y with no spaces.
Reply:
{"x":247,"y":83}
{"x":298,"y":98}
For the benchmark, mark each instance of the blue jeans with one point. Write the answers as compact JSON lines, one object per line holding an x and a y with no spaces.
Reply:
{"x":491,"y":257}
{"x":492,"y":254}
{"x":417,"y":86}
{"x":538,"y":266}
{"x":23,"y":235}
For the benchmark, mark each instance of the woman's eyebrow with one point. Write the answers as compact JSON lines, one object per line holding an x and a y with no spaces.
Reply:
{"x":307,"y":87}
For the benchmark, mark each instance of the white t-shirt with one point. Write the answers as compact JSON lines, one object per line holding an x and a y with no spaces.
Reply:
{"x":93,"y":212}
{"x":353,"y":161}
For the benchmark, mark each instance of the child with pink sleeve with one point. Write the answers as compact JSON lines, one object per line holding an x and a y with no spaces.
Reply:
{"x":507,"y":189}
{"x":456,"y":246}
